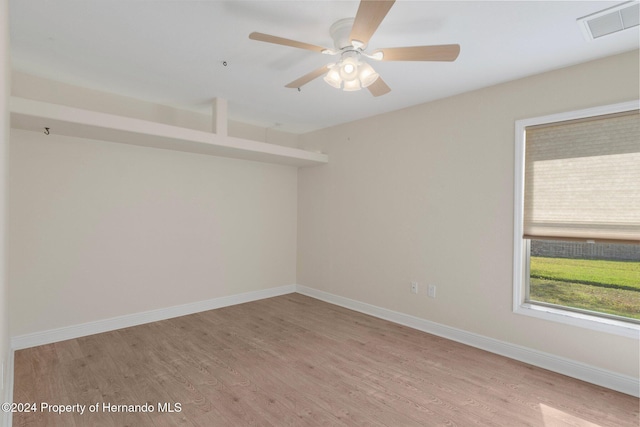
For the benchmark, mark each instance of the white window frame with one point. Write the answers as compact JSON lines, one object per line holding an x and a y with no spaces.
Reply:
{"x":520,"y":245}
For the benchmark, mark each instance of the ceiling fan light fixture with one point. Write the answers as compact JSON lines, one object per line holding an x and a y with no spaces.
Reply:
{"x":367,"y":75}
{"x":351,"y":85}
{"x":350,"y":74}
{"x":333,"y":77}
{"x":349,"y":68}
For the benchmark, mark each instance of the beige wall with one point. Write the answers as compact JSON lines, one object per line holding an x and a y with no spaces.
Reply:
{"x":100,"y":229}
{"x":41,"y":89}
{"x":4,"y":143}
{"x":426,"y":194}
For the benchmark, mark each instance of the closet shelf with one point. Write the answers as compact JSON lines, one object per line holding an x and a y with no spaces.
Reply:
{"x":34,"y":115}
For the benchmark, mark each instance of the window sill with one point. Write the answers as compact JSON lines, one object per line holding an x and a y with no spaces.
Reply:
{"x":611,"y":326}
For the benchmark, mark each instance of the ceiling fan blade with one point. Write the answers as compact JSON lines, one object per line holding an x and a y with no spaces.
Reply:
{"x":298,"y":83}
{"x":443,"y":52}
{"x":379,"y":87}
{"x":285,"y":42}
{"x":369,"y":16}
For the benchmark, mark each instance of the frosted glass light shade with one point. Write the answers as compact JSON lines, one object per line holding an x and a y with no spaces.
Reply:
{"x":349,"y":68}
{"x":333,"y":77}
{"x":351,"y":85}
{"x":367,"y":75}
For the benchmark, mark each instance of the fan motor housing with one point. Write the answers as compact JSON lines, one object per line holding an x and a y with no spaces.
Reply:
{"x":340,"y":32}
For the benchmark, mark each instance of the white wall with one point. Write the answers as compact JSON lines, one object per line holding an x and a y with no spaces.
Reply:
{"x":426,"y":194}
{"x":5,"y":393}
{"x":41,"y":89}
{"x":101,"y":229}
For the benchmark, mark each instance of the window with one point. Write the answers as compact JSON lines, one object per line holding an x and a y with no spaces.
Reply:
{"x":577,"y":218}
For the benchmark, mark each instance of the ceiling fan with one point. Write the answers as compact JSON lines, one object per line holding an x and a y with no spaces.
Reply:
{"x":351,"y":36}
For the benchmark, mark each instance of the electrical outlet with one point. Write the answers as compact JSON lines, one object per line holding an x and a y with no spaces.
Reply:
{"x":414,"y":287}
{"x":432,"y":291}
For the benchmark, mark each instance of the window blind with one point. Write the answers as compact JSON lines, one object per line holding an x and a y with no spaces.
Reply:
{"x":582,"y":179}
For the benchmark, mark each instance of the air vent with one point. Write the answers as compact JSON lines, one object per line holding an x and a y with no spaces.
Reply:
{"x":611,"y":20}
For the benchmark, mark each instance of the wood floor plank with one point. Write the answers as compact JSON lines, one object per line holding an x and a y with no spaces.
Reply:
{"x":296,"y":361}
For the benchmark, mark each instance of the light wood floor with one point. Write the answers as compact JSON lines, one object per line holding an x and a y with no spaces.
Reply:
{"x":294,"y":360}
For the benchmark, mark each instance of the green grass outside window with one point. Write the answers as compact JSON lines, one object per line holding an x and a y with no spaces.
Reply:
{"x":611,"y":287}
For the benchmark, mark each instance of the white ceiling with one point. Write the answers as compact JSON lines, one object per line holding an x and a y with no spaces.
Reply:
{"x":172,"y":52}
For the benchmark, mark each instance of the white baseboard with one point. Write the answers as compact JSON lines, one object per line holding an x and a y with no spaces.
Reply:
{"x":105,"y":325}
{"x":602,"y":377}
